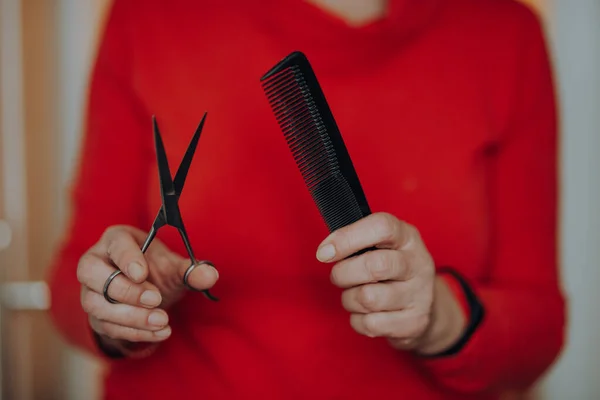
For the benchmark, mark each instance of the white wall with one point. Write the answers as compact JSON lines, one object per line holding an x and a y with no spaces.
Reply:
{"x":575,"y":30}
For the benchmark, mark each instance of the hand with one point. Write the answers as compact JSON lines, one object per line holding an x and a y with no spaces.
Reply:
{"x":393,"y":291}
{"x":149,"y":284}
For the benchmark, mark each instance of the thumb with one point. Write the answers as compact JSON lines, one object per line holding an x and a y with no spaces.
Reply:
{"x":201,"y":276}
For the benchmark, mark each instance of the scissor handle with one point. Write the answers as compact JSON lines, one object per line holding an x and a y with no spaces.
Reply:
{"x":206,"y":292}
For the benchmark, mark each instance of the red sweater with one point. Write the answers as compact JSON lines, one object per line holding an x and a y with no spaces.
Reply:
{"x":448,"y":111}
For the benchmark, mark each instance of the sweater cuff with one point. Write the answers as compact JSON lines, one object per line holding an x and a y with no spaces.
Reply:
{"x":458,"y":292}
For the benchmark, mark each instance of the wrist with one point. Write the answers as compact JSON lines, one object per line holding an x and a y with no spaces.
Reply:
{"x":448,"y":319}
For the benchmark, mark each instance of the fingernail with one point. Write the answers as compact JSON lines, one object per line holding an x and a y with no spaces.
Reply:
{"x":136,"y":271}
{"x":150,"y":298}
{"x":208,"y":267}
{"x":326,"y":253}
{"x":216,"y":272}
{"x":163,"y":333}
{"x":158,"y":319}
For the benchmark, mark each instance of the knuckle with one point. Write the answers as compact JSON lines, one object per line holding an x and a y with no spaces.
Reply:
{"x":412,"y":232}
{"x":372,"y":324}
{"x":396,"y":264}
{"x":116,"y":240}
{"x":84,"y":267}
{"x":368,"y":297}
{"x":110,"y":232}
{"x":88,"y":302}
{"x":343,"y":238}
{"x":164,"y":262}
{"x":377,"y":266}
{"x":336,"y":270}
{"x":385,"y":226}
{"x":113,"y":241}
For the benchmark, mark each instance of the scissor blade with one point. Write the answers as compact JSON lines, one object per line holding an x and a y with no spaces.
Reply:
{"x":164,"y":174}
{"x":184,"y":167}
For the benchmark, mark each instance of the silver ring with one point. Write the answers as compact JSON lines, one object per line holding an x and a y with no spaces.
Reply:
{"x":107,"y":284}
{"x":189,"y":271}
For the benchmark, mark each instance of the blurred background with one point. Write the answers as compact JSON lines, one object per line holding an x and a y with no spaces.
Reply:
{"x":46,"y":50}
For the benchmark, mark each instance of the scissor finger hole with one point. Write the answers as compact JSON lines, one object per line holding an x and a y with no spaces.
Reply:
{"x":118,"y":290}
{"x":190,"y":269}
{"x":203,"y":280}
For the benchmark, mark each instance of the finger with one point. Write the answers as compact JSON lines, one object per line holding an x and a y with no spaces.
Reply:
{"x":93,"y":272}
{"x":123,"y":314}
{"x":374,"y":266}
{"x":380,"y":230}
{"x":202,"y":277}
{"x":375,"y":297}
{"x":122,"y":248}
{"x":130,"y":334}
{"x":390,"y":324}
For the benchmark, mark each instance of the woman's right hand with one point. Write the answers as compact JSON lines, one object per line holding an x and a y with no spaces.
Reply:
{"x":149,"y":284}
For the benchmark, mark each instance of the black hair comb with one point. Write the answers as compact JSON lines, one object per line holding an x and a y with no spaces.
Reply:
{"x":315,"y":141}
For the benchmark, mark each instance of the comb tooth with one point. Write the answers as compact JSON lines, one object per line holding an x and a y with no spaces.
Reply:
{"x":299,"y":142}
{"x":289,"y":108}
{"x":300,"y":113}
{"x":304,"y":120}
{"x":308,"y":119}
{"x":274,"y":78}
{"x":300,"y":125}
{"x":307,"y":145}
{"x":306,"y":153}
{"x":312,"y":169}
{"x":296,"y":112}
{"x":291,"y":129}
{"x":282,"y":83}
{"x":285,"y":98}
{"x":284,"y":101}
{"x":317,"y":170}
{"x":283,"y":110}
{"x":313,"y":153}
{"x":289,"y":111}
{"x":316,"y":167}
{"x":279,"y":84}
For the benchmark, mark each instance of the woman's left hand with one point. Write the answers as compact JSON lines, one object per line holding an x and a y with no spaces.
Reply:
{"x":392,"y":292}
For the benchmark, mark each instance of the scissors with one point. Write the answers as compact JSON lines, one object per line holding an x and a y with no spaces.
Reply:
{"x":169,"y":213}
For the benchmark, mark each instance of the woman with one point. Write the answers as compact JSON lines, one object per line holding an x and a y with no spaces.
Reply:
{"x":448,"y":111}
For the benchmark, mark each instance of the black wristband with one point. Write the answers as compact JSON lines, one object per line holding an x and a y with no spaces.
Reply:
{"x":476,"y":314}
